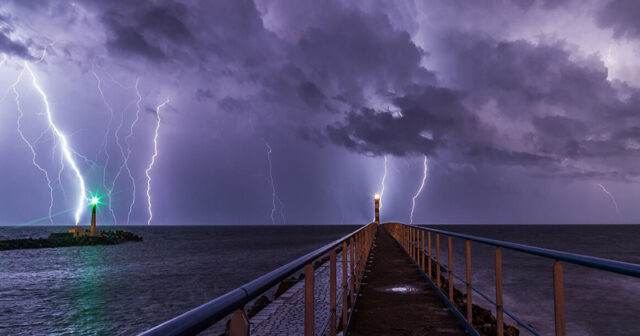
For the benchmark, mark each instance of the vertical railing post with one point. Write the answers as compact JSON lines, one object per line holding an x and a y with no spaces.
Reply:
{"x":438,"y":260}
{"x":558,"y":299}
{"x":345,"y":289}
{"x":356,"y":258}
{"x":429,"y":255}
{"x":309,"y":317}
{"x":499,"y":312}
{"x":422,"y":250}
{"x":351,"y":274}
{"x":413,"y":245}
{"x":416,"y":245}
{"x":467,"y":245}
{"x":239,"y":324}
{"x":332,"y":293}
{"x":450,"y":259}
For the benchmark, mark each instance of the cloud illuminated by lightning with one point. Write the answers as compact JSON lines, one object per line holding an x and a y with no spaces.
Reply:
{"x":153,"y":158}
{"x":613,"y":200}
{"x":65,"y":148}
{"x":424,"y":179}
{"x":30,"y":145}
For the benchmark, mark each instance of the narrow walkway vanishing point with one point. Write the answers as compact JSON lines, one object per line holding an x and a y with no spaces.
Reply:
{"x":395,"y":298}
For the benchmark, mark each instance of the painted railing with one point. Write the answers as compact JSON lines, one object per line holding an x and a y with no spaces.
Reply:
{"x":412,"y":239}
{"x":355,"y":248}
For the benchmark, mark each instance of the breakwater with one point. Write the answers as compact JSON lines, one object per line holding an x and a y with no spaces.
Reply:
{"x":67,"y":240}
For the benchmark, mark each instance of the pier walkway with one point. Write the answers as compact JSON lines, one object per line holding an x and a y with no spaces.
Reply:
{"x":395,"y":298}
{"x":384,"y":279}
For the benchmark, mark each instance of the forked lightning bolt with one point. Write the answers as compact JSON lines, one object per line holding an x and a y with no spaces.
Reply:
{"x":384,"y":178}
{"x":104,"y":144}
{"x":424,"y":179}
{"x":126,"y":140}
{"x":274,"y":195}
{"x":64,"y":145}
{"x":613,"y":200}
{"x":30,"y":145}
{"x":153,"y":158}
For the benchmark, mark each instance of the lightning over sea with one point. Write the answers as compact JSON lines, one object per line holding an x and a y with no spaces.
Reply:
{"x":212,"y":167}
{"x":147,"y":172}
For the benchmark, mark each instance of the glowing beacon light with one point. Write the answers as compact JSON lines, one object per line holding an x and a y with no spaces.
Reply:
{"x":94,"y":201}
{"x":376,"y":197}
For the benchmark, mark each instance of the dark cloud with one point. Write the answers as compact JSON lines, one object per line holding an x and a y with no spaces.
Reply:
{"x":204,"y":94}
{"x":353,"y":80}
{"x":235,"y":105}
{"x":565,"y":108}
{"x":311,"y":94}
{"x":163,"y":21}
{"x":12,"y":47}
{"x":362,"y":50}
{"x":494,"y":155}
{"x":622,"y":16}
{"x":127,"y":40}
{"x":427,"y":121}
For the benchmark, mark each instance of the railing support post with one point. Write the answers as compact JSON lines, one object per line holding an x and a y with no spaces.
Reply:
{"x":429,"y":255}
{"x":309,"y":317}
{"x":499,"y":312}
{"x":239,"y":324}
{"x":332,"y":293}
{"x":558,"y":299}
{"x":422,"y":250}
{"x":467,"y":245}
{"x":450,"y":259}
{"x":413,"y":244}
{"x":411,"y":250}
{"x":438,"y":261}
{"x":351,"y":275}
{"x":345,"y":289}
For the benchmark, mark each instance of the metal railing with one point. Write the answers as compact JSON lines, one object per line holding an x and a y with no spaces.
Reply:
{"x":412,"y":239}
{"x":355,"y":249}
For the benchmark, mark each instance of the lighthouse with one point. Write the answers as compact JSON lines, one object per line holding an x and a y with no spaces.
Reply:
{"x":376,"y":200}
{"x":94,"y":205}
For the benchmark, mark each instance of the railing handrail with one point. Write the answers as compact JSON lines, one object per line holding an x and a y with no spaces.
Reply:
{"x":204,"y":316}
{"x":609,"y":265}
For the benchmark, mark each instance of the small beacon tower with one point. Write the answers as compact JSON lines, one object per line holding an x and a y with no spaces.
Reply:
{"x":94,"y":205}
{"x":376,"y":200}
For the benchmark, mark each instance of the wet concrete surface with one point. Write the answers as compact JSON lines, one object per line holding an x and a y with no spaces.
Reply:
{"x":396,"y":299}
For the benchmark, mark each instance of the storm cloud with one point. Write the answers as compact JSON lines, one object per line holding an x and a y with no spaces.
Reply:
{"x":506,"y":102}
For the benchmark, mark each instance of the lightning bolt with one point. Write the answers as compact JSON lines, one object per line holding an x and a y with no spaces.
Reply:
{"x":65,"y":148}
{"x":274,"y":195}
{"x":384,"y":178}
{"x":284,"y":219}
{"x":126,"y":160}
{"x":613,"y":200}
{"x":104,"y":143}
{"x":424,"y":179}
{"x":153,"y":159}
{"x":30,"y":145}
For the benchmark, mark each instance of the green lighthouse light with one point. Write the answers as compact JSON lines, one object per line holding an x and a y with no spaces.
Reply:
{"x":94,"y":200}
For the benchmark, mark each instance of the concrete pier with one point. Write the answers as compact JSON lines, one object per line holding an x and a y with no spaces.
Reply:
{"x":395,"y":299}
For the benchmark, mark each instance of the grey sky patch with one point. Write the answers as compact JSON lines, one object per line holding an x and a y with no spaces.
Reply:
{"x":14,"y":48}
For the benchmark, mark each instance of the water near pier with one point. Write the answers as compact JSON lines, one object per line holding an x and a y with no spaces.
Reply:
{"x":125,"y":289}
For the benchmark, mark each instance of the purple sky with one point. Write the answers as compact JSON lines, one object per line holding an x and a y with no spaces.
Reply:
{"x":527,"y":110}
